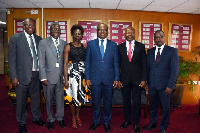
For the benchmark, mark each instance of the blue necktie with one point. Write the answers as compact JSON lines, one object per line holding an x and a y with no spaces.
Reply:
{"x":35,"y":62}
{"x":102,"y":49}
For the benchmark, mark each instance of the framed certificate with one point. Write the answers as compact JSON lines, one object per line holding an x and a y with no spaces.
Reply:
{"x":180,"y":36}
{"x":117,"y":29}
{"x":64,"y":26}
{"x":19,"y":27}
{"x":146,"y":32}
{"x":90,"y":29}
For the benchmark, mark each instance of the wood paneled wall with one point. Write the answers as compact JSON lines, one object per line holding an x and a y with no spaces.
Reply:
{"x":105,"y":15}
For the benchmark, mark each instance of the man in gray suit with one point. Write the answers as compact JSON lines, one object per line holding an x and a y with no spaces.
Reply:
{"x":51,"y":74}
{"x":23,"y":68}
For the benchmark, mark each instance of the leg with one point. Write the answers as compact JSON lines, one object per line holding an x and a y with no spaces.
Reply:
{"x":78,"y":116}
{"x":96,"y":103}
{"x":107,"y":102}
{"x":126,"y":93}
{"x":165,"y":103}
{"x":136,"y":96}
{"x":73,"y":113}
{"x":34,"y":92}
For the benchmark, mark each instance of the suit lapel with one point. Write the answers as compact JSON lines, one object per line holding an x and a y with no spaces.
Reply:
{"x":108,"y":47}
{"x":96,"y":45}
{"x":163,"y":54}
{"x":52,"y":46}
{"x":25,"y":42}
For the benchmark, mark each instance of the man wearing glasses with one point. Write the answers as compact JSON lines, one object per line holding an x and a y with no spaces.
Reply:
{"x":24,"y":73}
{"x":101,"y":75}
{"x":51,"y":74}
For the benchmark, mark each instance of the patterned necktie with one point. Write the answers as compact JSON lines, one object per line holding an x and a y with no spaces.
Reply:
{"x":158,"y":56}
{"x":35,"y":61}
{"x":57,"y":49}
{"x":129,"y":52}
{"x":102,"y":49}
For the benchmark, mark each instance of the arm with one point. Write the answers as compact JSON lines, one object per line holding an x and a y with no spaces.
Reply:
{"x":116,"y":66}
{"x":87,"y":65}
{"x":66,"y":59}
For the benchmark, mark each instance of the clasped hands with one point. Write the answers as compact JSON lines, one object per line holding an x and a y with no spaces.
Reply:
{"x":142,"y":84}
{"x":88,"y":83}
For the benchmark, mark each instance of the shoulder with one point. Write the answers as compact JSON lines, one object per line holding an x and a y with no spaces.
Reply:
{"x":37,"y":37}
{"x":170,"y":48}
{"x":139,"y":44}
{"x":121,"y":45}
{"x":111,"y":42}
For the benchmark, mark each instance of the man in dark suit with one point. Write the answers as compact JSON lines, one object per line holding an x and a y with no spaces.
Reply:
{"x":101,"y":74}
{"x":51,"y":74}
{"x":132,"y":61}
{"x":23,"y":68}
{"x":163,"y":66}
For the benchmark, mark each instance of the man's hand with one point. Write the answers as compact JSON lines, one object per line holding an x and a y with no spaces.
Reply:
{"x":45,"y":82}
{"x":168,"y":91}
{"x":119,"y":86}
{"x":142,"y":84}
{"x":115,"y":84}
{"x":15,"y":82}
{"x":146,"y":87}
{"x":88,"y":83}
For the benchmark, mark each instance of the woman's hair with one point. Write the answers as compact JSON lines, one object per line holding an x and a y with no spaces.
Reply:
{"x":77,"y":26}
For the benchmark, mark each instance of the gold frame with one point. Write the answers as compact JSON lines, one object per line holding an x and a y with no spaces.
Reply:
{"x":56,"y":20}
{"x":169,"y":35}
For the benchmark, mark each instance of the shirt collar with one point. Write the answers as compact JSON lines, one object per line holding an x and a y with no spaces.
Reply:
{"x":54,"y":39}
{"x":27,"y":35}
{"x":160,"y":47}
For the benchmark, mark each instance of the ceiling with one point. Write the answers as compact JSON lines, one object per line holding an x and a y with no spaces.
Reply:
{"x":178,"y":6}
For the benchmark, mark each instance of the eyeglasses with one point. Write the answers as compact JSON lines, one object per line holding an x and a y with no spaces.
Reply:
{"x":28,"y":25}
{"x":158,"y":37}
{"x":55,"y":29}
{"x":102,"y":30}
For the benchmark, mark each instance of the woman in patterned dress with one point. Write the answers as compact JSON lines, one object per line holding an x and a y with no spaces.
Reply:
{"x":74,"y":68}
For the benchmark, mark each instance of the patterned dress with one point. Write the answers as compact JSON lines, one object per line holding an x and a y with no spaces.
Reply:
{"x":76,"y":94}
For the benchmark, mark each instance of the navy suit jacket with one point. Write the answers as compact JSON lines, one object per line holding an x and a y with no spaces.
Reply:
{"x":100,"y":70}
{"x":164,"y":74}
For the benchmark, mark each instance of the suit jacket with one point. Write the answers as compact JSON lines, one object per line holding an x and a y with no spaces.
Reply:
{"x":136,"y":70}
{"x":164,"y":74}
{"x":48,"y":60}
{"x":100,"y":70}
{"x":20,"y":58}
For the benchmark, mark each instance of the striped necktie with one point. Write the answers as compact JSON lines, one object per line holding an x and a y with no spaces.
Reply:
{"x":57,"y":49}
{"x":35,"y":61}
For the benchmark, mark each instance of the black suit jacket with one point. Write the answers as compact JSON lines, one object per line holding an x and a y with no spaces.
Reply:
{"x":136,"y":70}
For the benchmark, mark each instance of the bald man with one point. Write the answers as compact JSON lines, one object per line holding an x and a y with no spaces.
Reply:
{"x":133,"y":76}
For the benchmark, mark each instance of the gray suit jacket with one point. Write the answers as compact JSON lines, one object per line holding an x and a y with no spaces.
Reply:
{"x":20,"y":59}
{"x":48,"y":60}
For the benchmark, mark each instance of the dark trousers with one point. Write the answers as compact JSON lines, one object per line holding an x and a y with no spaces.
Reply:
{"x":105,"y":92}
{"x":22,"y":91}
{"x":135,"y":90}
{"x":154,"y":97}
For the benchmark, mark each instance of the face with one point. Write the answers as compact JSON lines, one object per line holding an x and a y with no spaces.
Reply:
{"x":55,"y":31}
{"x":77,"y":35}
{"x":102,"y":31}
{"x":129,"y":34}
{"x":159,"y":38}
{"x":29,"y":26}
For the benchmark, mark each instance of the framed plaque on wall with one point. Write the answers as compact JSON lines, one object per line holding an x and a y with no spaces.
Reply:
{"x":180,"y":36}
{"x":64,"y":26}
{"x":90,"y":29}
{"x":146,"y":32}
{"x":117,"y":29}
{"x":19,"y":27}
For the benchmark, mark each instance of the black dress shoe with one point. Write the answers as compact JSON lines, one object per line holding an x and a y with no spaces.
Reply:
{"x":150,"y":126}
{"x":39,"y":122}
{"x":94,"y":126}
{"x":62,"y":124}
{"x":107,"y":127}
{"x":22,"y":128}
{"x":136,"y":128}
{"x":125,"y":124}
{"x":50,"y":126}
{"x":162,"y":131}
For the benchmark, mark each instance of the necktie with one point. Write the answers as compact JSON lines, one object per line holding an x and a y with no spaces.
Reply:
{"x":57,"y":49}
{"x":158,"y":56}
{"x":35,"y":62}
{"x":129,"y":52}
{"x":102,"y":49}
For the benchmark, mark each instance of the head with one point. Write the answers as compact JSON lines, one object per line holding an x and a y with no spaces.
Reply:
{"x":102,"y":31}
{"x":129,"y":34}
{"x":29,"y":26}
{"x":77,"y":32}
{"x":55,"y":30}
{"x":159,"y":38}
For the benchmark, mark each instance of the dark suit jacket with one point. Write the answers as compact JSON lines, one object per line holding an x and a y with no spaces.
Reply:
{"x":98,"y":70}
{"x":165,"y":73}
{"x":20,"y":58}
{"x":137,"y":69}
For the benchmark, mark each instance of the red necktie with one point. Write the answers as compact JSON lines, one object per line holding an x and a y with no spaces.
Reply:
{"x":129,"y":52}
{"x":158,"y":56}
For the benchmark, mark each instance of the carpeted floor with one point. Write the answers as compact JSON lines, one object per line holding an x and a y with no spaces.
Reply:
{"x":184,"y":120}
